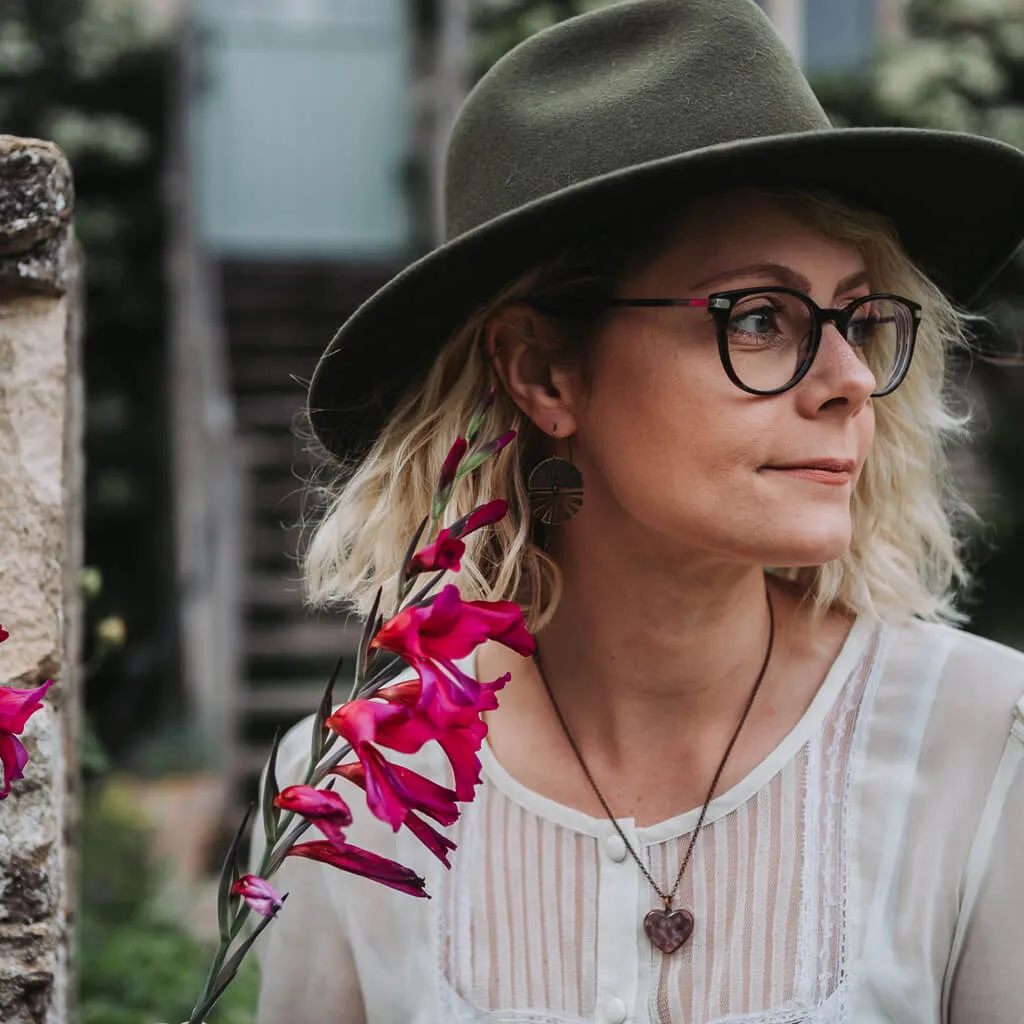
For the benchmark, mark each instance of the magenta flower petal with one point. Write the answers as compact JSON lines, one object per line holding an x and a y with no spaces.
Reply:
{"x":444,"y":553}
{"x":17,"y":706}
{"x":459,"y":731}
{"x":416,"y":791}
{"x":384,"y":794}
{"x":495,"y":446}
{"x":362,"y":862}
{"x":423,"y":794}
{"x":259,"y":894}
{"x":446,"y":685}
{"x":439,"y":845}
{"x":3,"y":634}
{"x":358,"y":721}
{"x":13,"y":758}
{"x":451,"y":464}
{"x":315,"y":804}
{"x":504,"y":623}
{"x":451,"y":628}
{"x":485,"y":515}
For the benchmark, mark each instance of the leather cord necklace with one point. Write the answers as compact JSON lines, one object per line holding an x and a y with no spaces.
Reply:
{"x":668,"y":929}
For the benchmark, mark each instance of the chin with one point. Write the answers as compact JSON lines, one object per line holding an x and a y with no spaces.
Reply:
{"x":799,"y":551}
{"x":808,"y":539}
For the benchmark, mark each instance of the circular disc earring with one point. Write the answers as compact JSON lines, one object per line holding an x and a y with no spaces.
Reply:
{"x":555,"y":488}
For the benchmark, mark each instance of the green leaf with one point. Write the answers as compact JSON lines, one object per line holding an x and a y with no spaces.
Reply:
{"x":230,"y":969}
{"x":410,"y":551}
{"x":271,"y":813}
{"x":371,"y":628}
{"x":318,"y":744}
{"x":227,"y":878}
{"x":424,"y":592}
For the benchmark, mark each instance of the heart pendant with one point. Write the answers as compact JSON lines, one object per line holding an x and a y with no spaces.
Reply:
{"x":668,"y":929}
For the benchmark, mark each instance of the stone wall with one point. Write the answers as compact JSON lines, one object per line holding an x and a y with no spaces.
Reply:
{"x":40,"y":556}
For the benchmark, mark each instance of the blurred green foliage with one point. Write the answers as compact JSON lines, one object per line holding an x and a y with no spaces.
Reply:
{"x":135,"y":966}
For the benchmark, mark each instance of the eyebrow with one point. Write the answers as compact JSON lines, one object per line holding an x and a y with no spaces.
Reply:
{"x":785,"y":275}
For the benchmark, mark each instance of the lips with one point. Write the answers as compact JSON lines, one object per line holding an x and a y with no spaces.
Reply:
{"x":825,"y":465}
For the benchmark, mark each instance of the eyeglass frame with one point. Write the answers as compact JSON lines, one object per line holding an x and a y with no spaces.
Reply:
{"x":721,"y":305}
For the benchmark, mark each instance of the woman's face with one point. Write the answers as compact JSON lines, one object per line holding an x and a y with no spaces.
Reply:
{"x":668,"y":444}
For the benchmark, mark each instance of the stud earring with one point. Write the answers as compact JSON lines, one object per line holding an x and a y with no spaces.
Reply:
{"x":555,"y":488}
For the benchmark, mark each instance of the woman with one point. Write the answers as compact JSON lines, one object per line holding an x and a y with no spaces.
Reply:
{"x":754,"y":773}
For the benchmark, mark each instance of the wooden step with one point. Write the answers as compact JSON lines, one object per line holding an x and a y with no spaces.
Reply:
{"x":271,"y":373}
{"x":271,"y":412}
{"x":273,"y":541}
{"x":302,"y":639}
{"x":277,"y":451}
{"x":273,"y":590}
{"x":297,"y":338}
{"x":299,"y":288}
{"x":277,"y":492}
{"x":301,"y":697}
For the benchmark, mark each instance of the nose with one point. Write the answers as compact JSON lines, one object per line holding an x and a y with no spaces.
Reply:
{"x":838,"y":373}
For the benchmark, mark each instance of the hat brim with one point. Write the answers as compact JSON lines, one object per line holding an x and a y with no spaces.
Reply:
{"x":956,"y":200}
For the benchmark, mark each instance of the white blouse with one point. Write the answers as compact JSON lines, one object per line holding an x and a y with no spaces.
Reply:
{"x":870,"y":869}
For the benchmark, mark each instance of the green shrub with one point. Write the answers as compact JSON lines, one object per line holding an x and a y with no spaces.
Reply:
{"x":134,"y":965}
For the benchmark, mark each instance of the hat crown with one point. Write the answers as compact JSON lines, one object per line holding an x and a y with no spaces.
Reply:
{"x":624,"y":85}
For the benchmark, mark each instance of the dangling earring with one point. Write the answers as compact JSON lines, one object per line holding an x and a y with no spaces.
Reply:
{"x":555,"y":488}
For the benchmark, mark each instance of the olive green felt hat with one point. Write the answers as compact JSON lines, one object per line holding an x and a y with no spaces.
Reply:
{"x":637,"y":101}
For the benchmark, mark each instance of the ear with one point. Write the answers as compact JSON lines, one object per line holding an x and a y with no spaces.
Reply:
{"x":521,"y":345}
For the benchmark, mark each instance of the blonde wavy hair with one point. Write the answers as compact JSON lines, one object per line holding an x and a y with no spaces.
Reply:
{"x":905,"y":555}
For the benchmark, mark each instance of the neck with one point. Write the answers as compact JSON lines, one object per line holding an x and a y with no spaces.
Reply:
{"x":638,"y":646}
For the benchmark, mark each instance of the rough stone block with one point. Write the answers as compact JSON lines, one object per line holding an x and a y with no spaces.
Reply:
{"x":36,"y":202}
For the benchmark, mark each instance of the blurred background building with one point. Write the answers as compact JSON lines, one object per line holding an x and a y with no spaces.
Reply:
{"x":249,"y":171}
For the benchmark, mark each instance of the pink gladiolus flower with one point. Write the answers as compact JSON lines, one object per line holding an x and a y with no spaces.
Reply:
{"x":495,"y":446}
{"x":398,"y":719}
{"x":323,"y":807}
{"x":483,"y":515}
{"x":444,"y":553}
{"x":362,"y":862}
{"x":259,"y":894}
{"x":451,"y":464}
{"x":447,"y":549}
{"x":439,"y":845}
{"x":416,"y":793}
{"x":419,"y":792}
{"x":16,"y":707}
{"x":330,"y":814}
{"x":431,"y":636}
{"x":459,"y":732}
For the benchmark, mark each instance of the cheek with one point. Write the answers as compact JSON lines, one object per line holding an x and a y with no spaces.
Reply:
{"x":662,"y":416}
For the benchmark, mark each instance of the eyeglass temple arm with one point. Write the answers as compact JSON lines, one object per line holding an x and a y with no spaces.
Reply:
{"x":658,"y":302}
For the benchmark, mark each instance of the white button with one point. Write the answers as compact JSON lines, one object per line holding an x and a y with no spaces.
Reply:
{"x":616,"y":849}
{"x":615,"y":1011}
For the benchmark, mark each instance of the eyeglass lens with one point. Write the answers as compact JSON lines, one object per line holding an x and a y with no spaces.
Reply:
{"x":770,"y":336}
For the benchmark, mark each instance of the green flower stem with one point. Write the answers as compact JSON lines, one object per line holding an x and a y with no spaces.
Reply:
{"x":269,"y":863}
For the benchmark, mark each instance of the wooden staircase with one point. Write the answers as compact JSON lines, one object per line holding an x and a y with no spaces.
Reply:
{"x":277,"y":318}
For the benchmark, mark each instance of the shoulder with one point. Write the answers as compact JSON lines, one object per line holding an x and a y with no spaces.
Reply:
{"x":991,"y":672}
{"x":972,"y":686}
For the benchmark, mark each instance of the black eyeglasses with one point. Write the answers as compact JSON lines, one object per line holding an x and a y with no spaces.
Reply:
{"x":768,"y":337}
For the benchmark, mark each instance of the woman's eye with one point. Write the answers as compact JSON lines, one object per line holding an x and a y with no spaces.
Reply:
{"x":754,"y":321}
{"x":862,"y":328}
